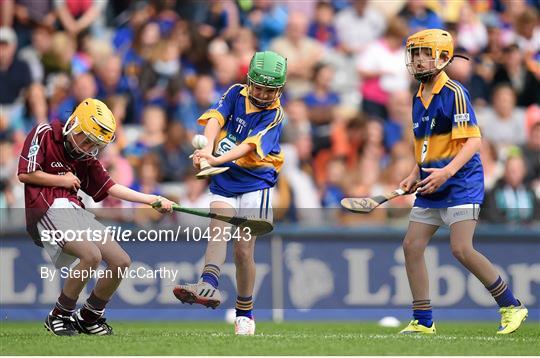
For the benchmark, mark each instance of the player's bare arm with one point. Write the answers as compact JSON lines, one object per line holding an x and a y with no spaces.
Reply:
{"x":438,"y":176}
{"x":124,"y":193}
{"x":232,"y":155}
{"x":211,"y":131}
{"x":39,"y":177}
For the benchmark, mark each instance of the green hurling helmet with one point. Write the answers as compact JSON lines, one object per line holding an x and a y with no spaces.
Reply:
{"x":267,"y":70}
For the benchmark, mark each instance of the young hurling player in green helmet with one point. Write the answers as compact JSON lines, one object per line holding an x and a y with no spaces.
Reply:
{"x":243,"y":130}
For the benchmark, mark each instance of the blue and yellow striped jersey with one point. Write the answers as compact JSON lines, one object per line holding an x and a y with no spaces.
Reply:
{"x":241,"y":122}
{"x":441,"y":126}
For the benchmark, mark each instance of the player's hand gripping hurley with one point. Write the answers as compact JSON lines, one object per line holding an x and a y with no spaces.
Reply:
{"x":366,"y":205}
{"x":199,"y":142}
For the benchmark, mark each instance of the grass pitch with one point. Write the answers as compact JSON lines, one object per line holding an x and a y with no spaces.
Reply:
{"x":290,"y":338}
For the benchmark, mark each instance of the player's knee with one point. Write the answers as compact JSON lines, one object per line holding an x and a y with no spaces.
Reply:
{"x":91,"y":257}
{"x":121,"y":262}
{"x":462,"y":252}
{"x":242,"y":255}
{"x":412,"y":247}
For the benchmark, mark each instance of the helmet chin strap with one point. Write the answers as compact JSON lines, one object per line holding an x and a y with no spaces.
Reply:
{"x":424,"y":77}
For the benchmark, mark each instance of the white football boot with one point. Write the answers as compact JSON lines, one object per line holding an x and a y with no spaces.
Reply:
{"x":201,"y":292}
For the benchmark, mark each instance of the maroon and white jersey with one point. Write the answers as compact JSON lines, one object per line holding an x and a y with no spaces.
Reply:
{"x":44,"y":150}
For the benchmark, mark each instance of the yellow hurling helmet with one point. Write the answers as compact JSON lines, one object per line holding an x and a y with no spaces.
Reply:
{"x":94,"y":119}
{"x":433,"y":43}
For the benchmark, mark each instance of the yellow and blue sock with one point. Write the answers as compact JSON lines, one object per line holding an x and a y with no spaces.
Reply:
{"x":244,"y":306}
{"x":423,"y":312}
{"x":502,"y":293}
{"x":210,"y":275}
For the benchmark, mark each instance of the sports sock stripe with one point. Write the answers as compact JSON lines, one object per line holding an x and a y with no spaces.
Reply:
{"x":422,"y":305}
{"x":244,"y":303}
{"x":499,"y":291}
{"x":502,"y":293}
{"x":211,"y":274}
{"x":498,"y":287}
{"x":212,"y":271}
{"x":244,"y":307}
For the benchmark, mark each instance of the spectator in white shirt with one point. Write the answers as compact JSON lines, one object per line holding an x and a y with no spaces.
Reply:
{"x":357,"y":26}
{"x":504,"y":123}
{"x":472,"y":33}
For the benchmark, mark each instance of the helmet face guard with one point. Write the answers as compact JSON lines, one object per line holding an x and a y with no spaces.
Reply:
{"x":266,"y":75}
{"x":433,"y":63}
{"x":81,"y":147}
{"x":259,"y":102}
{"x":427,"y":53}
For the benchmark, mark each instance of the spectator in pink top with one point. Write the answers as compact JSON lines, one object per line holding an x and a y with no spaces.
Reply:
{"x":381,"y":70}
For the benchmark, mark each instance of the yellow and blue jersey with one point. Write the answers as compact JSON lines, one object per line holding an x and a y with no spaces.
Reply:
{"x":241,"y":122}
{"x":441,"y":126}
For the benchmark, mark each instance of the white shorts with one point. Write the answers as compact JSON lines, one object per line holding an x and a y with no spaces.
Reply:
{"x":253,"y":204}
{"x":445,"y":216}
{"x":64,"y":215}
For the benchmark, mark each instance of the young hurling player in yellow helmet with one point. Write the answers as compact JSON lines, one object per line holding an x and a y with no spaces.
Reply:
{"x":89,"y":129}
